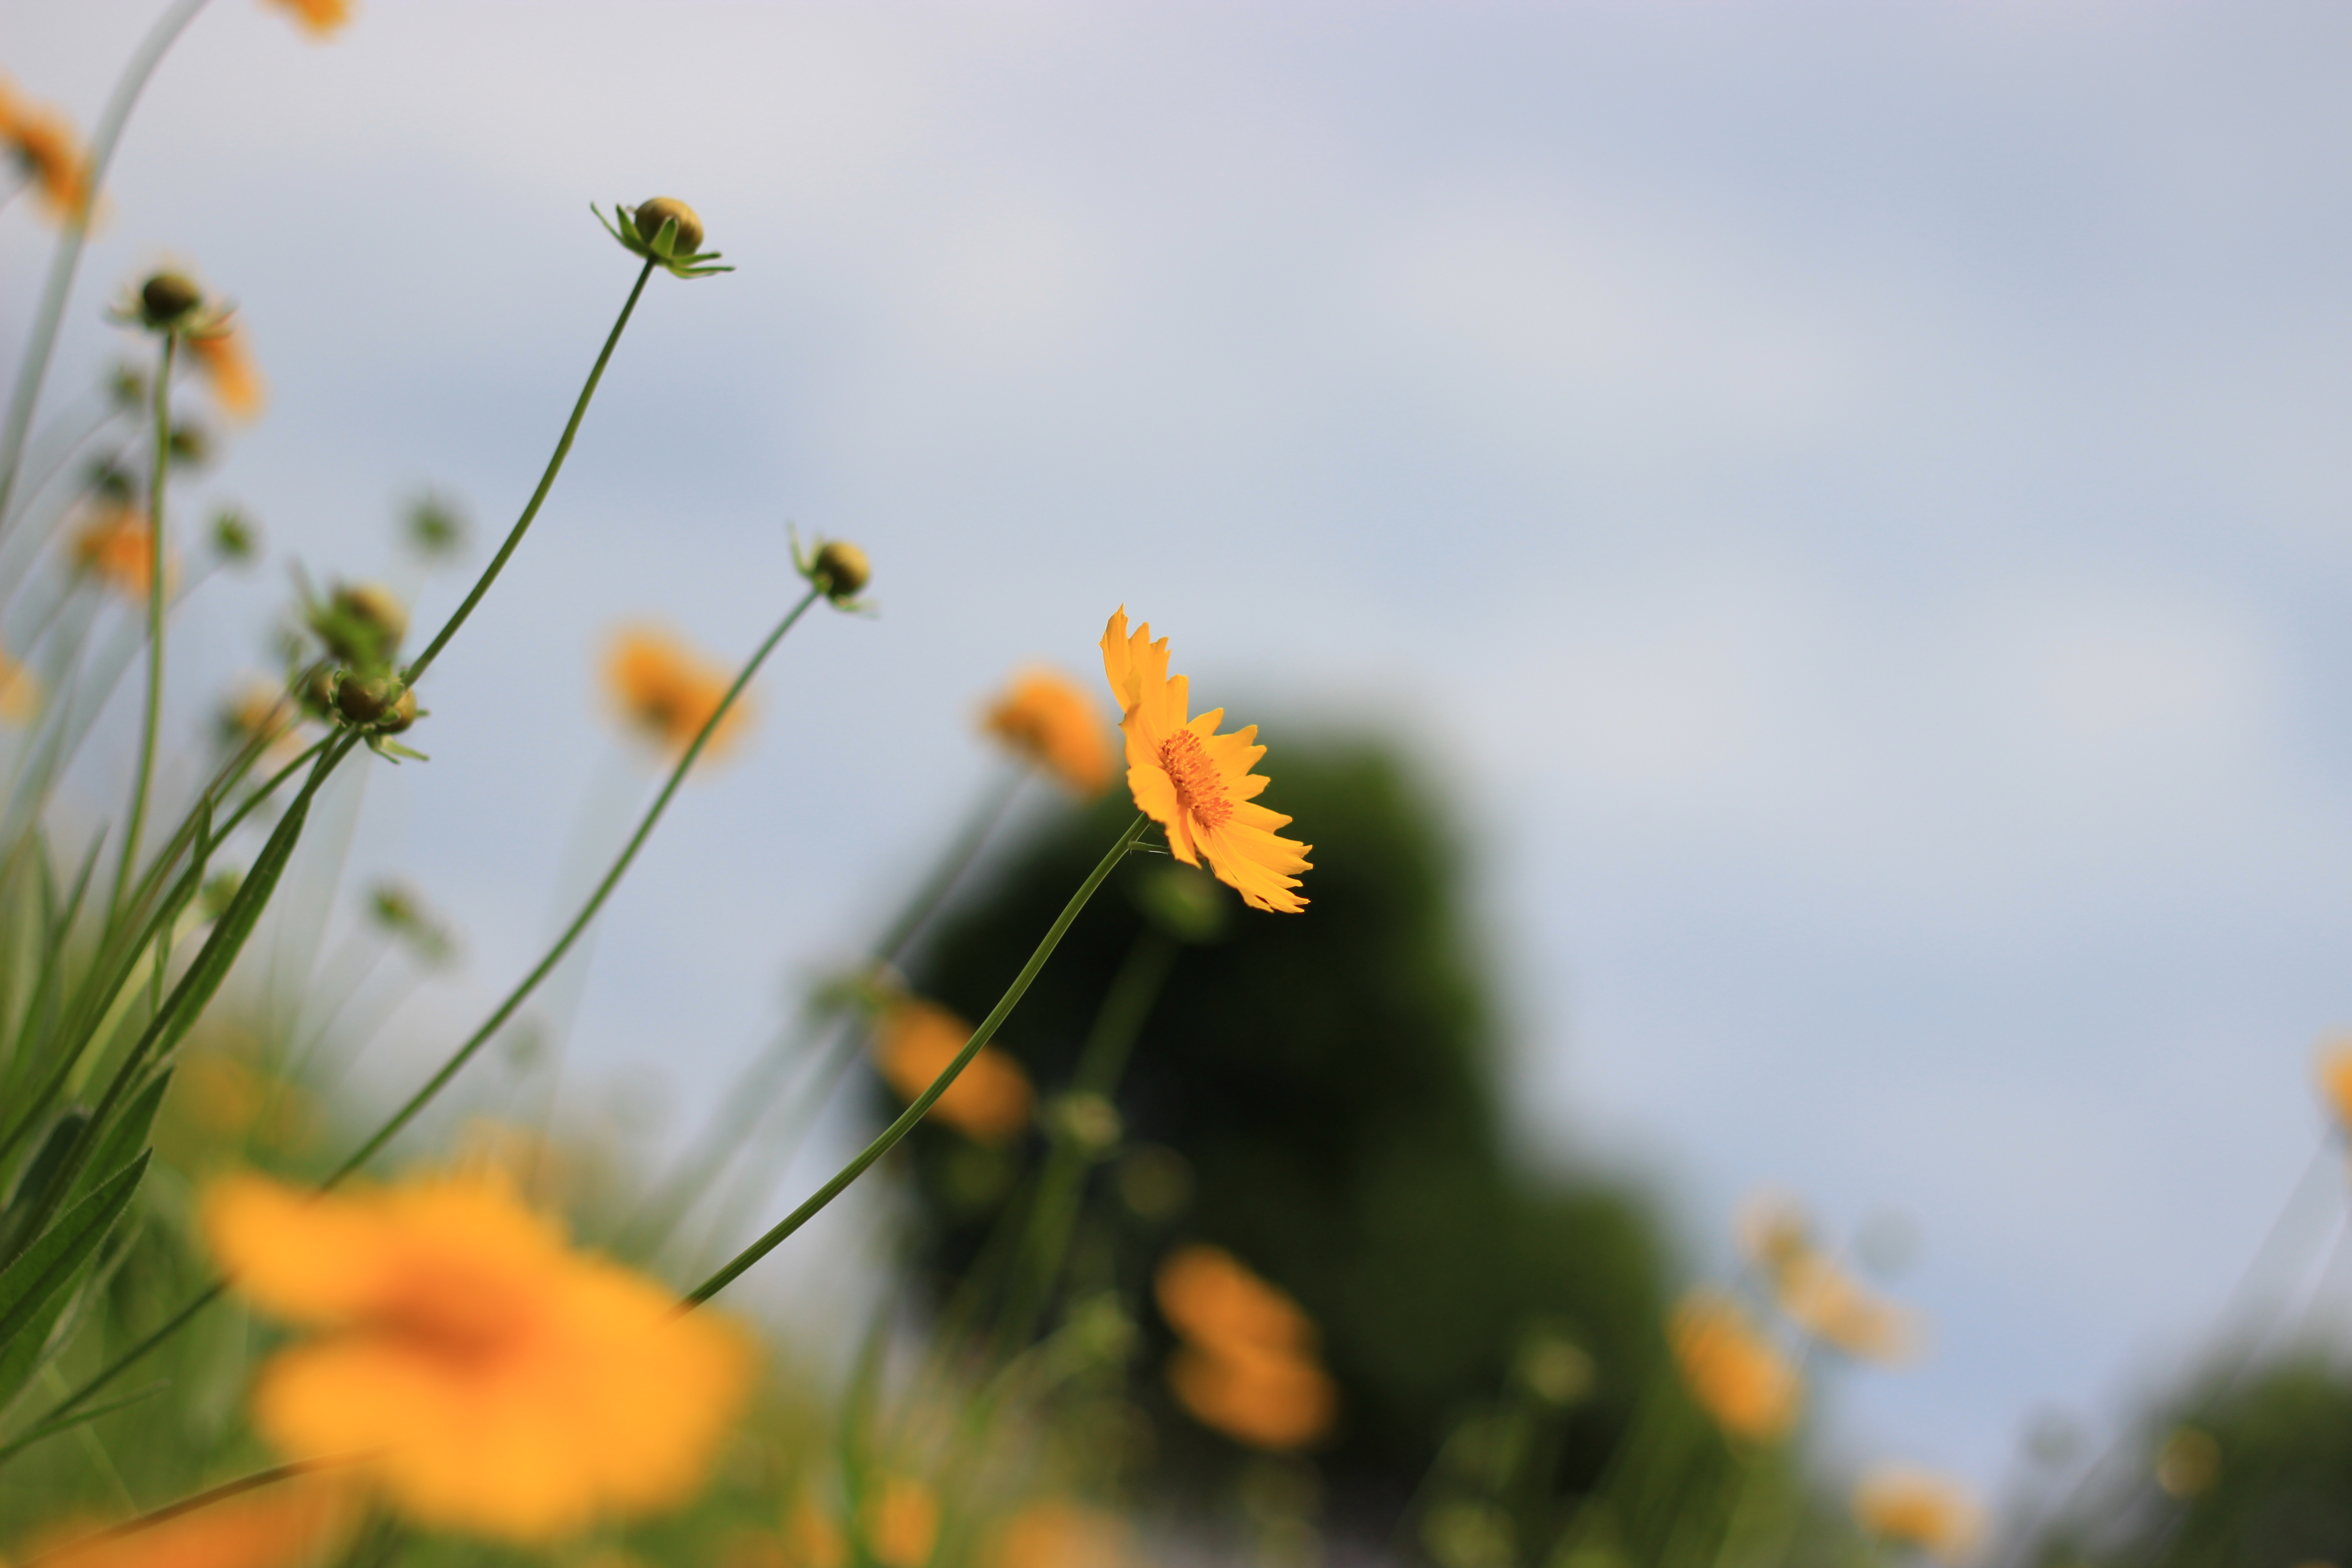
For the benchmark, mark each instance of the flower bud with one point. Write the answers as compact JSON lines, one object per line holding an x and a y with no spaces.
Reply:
{"x":661,"y":209}
{"x":235,"y":537}
{"x":840,"y":571}
{"x":167,"y":300}
{"x":191,"y":446}
{"x":371,"y":702}
{"x":362,"y":624}
{"x":318,"y":693}
{"x":403,"y":715}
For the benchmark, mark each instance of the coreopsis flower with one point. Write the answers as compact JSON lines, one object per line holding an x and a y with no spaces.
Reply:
{"x":291,"y":1525}
{"x":20,"y":691}
{"x":1195,"y":782}
{"x":1842,"y":1312}
{"x":1248,"y":1362}
{"x":44,"y":148}
{"x":1913,"y":1508}
{"x":2334,"y":1070}
{"x":1737,"y":1374}
{"x":668,"y":692}
{"x":498,"y":1381}
{"x":264,"y":711}
{"x":900,"y":1521}
{"x":914,"y":1042}
{"x":1057,"y":1533}
{"x":320,"y":18}
{"x":228,"y":367}
{"x":116,"y":547}
{"x":666,"y":232}
{"x":1046,"y":720}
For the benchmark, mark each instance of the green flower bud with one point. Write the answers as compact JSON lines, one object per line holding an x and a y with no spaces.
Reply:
{"x":840,"y":571}
{"x":361,"y":624}
{"x":370,"y":701}
{"x":167,"y":300}
{"x":651,"y":216}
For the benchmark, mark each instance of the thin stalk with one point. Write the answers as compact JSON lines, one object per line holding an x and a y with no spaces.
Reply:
{"x":206,"y":1499}
{"x":156,"y":484}
{"x":515,"y":998}
{"x":67,"y":260}
{"x":424,"y":661}
{"x":923,"y":1102}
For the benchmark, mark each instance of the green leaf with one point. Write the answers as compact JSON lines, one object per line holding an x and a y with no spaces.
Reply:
{"x":41,"y":1270}
{"x":126,"y":1140}
{"x":47,"y":1161}
{"x":73,"y":1418}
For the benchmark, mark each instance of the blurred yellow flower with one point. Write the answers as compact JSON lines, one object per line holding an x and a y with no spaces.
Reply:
{"x":43,"y":147}
{"x":669,"y":691}
{"x":1736,"y":1375}
{"x":261,"y":710}
{"x":1249,"y":1365}
{"x":321,"y":19}
{"x":1195,"y":782}
{"x":116,"y":546}
{"x":20,"y":691}
{"x":290,"y":1525}
{"x":913,"y":1044}
{"x":1818,"y":1295}
{"x":228,"y":369}
{"x":1047,"y":721}
{"x":504,"y":1383}
{"x":2335,"y":1068}
{"x":900,"y":1521}
{"x":1913,"y":1508}
{"x":1057,"y":1533}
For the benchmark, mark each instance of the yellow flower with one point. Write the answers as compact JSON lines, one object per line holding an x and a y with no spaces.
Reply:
{"x":501,"y":1382}
{"x":1734,"y":1373}
{"x":990,"y":1099}
{"x":320,"y":18}
{"x":1047,"y":720}
{"x":117,"y":547}
{"x":1913,"y":1508}
{"x":43,"y":147}
{"x":2335,"y":1067}
{"x":20,"y":691}
{"x":1195,"y":782}
{"x":1055,"y":1534}
{"x":1248,"y":1364}
{"x":228,"y":368}
{"x":669,"y":691}
{"x":290,"y":1525}
{"x":1818,"y":1296}
{"x":261,"y":710}
{"x":900,"y":1521}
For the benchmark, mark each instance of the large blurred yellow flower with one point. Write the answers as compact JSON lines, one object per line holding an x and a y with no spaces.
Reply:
{"x":913,"y":1044}
{"x":118,"y":547}
{"x":669,"y":691}
{"x":228,"y":369}
{"x":1047,"y":719}
{"x":504,"y":1383}
{"x":1913,"y":1508}
{"x":1195,"y":782}
{"x":321,"y":19}
{"x":44,"y":148}
{"x":1249,"y":1365}
{"x":1736,"y":1375}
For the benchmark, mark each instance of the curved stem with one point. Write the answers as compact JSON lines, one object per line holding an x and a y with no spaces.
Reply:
{"x":515,"y":998}
{"x":155,"y":488}
{"x":187,"y":1505}
{"x":538,"y":497}
{"x":923,"y":1102}
{"x":67,"y":260}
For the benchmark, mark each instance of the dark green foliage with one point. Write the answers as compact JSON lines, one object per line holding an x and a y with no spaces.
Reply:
{"x":1329,"y":1079}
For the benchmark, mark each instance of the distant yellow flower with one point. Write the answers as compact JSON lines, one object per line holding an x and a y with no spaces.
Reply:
{"x":506,"y":1385}
{"x":900,"y":1521}
{"x":1735,"y":1374}
{"x":290,"y":1525}
{"x":1249,"y":1365}
{"x":2335,"y":1067}
{"x":669,"y":691}
{"x":20,"y":691}
{"x":1819,"y":1295}
{"x":228,"y":369}
{"x":262,"y":711}
{"x":1047,"y":719}
{"x":321,"y":19}
{"x":43,"y":147}
{"x":117,"y":547}
{"x":1913,"y":1508}
{"x":1056,"y":1534}
{"x":913,"y":1044}
{"x":1195,"y":782}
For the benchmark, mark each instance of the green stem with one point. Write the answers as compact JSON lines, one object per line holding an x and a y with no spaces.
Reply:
{"x":515,"y":998}
{"x":206,"y":1499}
{"x":546,"y":482}
{"x":67,"y":260}
{"x":155,"y":488}
{"x":923,"y":1102}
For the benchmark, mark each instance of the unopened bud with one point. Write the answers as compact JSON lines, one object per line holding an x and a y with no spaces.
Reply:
{"x":369,"y":700}
{"x":191,"y":446}
{"x":362,"y":624}
{"x":840,"y":571}
{"x":167,"y":300}
{"x":662,"y":209}
{"x":1089,"y":1121}
{"x":404,"y":713}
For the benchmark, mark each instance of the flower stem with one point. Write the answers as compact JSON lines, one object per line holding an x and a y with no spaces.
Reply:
{"x":538,"y":497}
{"x":923,"y":1102}
{"x":554,"y":955}
{"x":206,"y":1499}
{"x":66,"y":259}
{"x":155,"y":488}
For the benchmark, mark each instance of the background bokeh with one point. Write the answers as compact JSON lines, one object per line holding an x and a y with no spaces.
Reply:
{"x":1850,"y":501}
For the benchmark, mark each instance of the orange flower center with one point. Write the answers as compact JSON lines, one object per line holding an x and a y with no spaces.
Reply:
{"x":1200,"y":788}
{"x":464,"y":1323}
